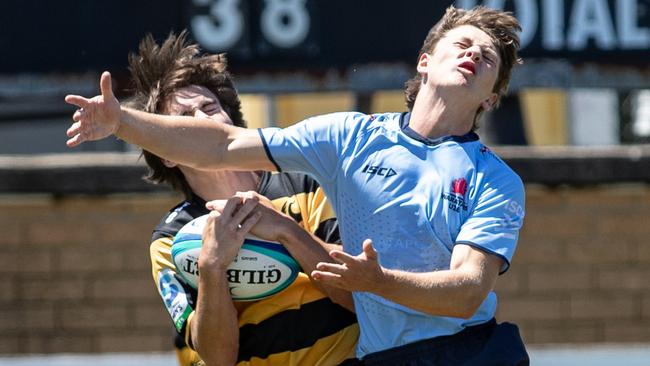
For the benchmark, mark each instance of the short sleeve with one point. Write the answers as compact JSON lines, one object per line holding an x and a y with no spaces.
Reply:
{"x":494,"y":224}
{"x":313,"y":146}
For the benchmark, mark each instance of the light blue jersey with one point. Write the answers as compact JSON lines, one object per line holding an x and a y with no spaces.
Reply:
{"x":414,"y":197}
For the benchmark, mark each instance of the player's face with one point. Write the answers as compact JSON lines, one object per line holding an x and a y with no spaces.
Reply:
{"x":465,"y":56}
{"x":196,"y":101}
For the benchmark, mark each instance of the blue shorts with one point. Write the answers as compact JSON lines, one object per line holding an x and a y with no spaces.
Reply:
{"x":484,"y":344}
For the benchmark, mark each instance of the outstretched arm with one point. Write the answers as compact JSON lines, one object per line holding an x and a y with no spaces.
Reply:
{"x":195,"y":142}
{"x":456,"y":292}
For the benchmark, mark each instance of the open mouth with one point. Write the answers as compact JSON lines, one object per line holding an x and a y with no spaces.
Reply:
{"x":467,"y":66}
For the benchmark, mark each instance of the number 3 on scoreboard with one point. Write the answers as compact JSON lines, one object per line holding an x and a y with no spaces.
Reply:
{"x":284,"y":23}
{"x":222,"y":28}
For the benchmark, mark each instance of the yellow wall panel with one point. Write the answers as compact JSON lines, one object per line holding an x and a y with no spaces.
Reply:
{"x":292,"y":108}
{"x":545,"y":116}
{"x":388,"y":101}
{"x":255,"y":108}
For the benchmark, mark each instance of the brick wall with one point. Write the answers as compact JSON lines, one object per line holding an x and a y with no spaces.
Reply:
{"x":77,"y":275}
{"x":582,"y":269}
{"x":76,"y":270}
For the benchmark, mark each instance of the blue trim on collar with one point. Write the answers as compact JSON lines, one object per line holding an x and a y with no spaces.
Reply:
{"x":405,"y":118}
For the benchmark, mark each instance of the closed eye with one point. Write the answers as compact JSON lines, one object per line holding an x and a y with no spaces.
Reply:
{"x":210,"y":107}
{"x":491,"y":57}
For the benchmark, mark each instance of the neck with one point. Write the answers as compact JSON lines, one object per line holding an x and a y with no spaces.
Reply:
{"x":437,"y":113}
{"x":220,"y":184}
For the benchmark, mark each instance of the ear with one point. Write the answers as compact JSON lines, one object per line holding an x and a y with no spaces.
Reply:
{"x":169,"y":163}
{"x":488,"y":103}
{"x":423,"y":62}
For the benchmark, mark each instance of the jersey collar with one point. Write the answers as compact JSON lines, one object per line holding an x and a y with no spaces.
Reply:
{"x":197,"y":200}
{"x":405,"y":118}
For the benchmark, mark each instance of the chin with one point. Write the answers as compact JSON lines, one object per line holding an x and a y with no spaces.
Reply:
{"x":460,"y":80}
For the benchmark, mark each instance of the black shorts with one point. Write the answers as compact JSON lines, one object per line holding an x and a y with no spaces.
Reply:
{"x":484,"y":344}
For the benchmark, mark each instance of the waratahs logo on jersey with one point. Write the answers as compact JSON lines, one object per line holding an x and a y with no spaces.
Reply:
{"x":459,"y":186}
{"x":456,"y":195}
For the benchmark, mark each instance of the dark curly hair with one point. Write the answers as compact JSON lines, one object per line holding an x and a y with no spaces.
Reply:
{"x":158,"y":71}
{"x":501,"y":26}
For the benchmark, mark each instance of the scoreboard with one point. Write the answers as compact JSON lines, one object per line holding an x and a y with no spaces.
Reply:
{"x":74,"y":36}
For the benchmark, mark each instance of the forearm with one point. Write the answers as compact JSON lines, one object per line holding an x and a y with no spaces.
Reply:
{"x":457,"y":292}
{"x":453,"y":293}
{"x":214,"y":328}
{"x":189,"y":141}
{"x":309,"y":250}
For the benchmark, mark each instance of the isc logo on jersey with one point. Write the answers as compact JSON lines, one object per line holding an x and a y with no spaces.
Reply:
{"x":260,"y":269}
{"x":378,"y":170}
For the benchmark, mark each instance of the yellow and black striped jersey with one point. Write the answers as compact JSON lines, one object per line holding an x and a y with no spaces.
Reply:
{"x":300,"y":325}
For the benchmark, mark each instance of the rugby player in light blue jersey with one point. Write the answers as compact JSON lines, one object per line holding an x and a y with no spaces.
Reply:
{"x":429,"y":217}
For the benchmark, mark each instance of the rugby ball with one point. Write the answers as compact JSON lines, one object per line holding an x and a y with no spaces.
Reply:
{"x":261,"y":268}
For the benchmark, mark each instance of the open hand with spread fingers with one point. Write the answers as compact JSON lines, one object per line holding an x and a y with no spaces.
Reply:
{"x":353,"y":273}
{"x":97,"y":117}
